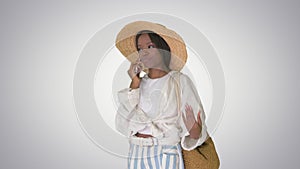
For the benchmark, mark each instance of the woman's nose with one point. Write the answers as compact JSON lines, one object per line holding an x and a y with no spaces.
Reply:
{"x":143,"y":52}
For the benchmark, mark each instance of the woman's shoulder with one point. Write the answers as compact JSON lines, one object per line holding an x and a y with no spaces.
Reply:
{"x":175,"y":73}
{"x":184,"y":78}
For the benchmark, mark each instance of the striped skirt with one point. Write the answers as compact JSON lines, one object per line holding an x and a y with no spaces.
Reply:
{"x":154,"y":157}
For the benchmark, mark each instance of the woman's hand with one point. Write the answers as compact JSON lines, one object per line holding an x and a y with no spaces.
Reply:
{"x":190,"y":122}
{"x":133,"y":71}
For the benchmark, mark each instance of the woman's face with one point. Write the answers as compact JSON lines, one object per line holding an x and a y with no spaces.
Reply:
{"x":149,"y":54}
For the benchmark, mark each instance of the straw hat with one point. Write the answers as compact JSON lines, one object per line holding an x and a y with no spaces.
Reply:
{"x":125,"y":42}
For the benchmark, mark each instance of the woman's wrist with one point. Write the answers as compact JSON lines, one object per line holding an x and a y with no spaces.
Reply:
{"x":195,"y":131}
{"x":135,"y":82}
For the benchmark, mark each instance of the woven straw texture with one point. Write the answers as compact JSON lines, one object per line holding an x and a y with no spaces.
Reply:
{"x":203,"y":157}
{"x":125,"y":42}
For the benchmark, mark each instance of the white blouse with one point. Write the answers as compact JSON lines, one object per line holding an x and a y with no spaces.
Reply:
{"x":153,"y":109}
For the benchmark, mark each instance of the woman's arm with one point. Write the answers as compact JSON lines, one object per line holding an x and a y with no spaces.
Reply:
{"x":192,"y":109}
{"x":130,"y":118}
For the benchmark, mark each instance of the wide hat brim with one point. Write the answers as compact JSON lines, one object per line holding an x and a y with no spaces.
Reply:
{"x":125,"y":42}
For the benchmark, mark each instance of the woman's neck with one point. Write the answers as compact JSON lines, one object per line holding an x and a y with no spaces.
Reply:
{"x":157,"y":73}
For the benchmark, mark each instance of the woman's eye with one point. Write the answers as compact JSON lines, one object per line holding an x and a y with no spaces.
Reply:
{"x":151,"y":46}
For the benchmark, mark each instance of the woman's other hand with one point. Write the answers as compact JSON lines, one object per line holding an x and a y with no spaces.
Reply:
{"x":194,"y":127}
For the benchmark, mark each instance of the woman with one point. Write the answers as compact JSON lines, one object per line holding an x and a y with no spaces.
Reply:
{"x":160,"y":112}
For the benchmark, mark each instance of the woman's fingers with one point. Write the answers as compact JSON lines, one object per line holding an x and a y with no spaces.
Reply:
{"x":188,"y":117}
{"x":134,"y":69}
{"x":199,"y":118}
{"x":189,"y":112}
{"x":189,"y":109}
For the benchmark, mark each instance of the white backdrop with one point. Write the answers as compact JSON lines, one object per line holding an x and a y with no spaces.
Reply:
{"x":257,"y":43}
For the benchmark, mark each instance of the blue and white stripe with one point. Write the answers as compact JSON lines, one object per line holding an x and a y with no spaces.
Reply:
{"x":154,"y":157}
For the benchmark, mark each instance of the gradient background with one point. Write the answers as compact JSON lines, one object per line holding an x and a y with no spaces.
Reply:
{"x":257,"y":43}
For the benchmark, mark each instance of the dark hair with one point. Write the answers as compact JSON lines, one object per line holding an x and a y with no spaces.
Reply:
{"x":160,"y":44}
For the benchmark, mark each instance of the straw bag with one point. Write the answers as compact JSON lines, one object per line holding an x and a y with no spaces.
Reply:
{"x":202,"y":157}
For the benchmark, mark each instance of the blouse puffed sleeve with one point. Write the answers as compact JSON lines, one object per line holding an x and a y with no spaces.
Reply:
{"x":130,"y":118}
{"x":189,"y":95}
